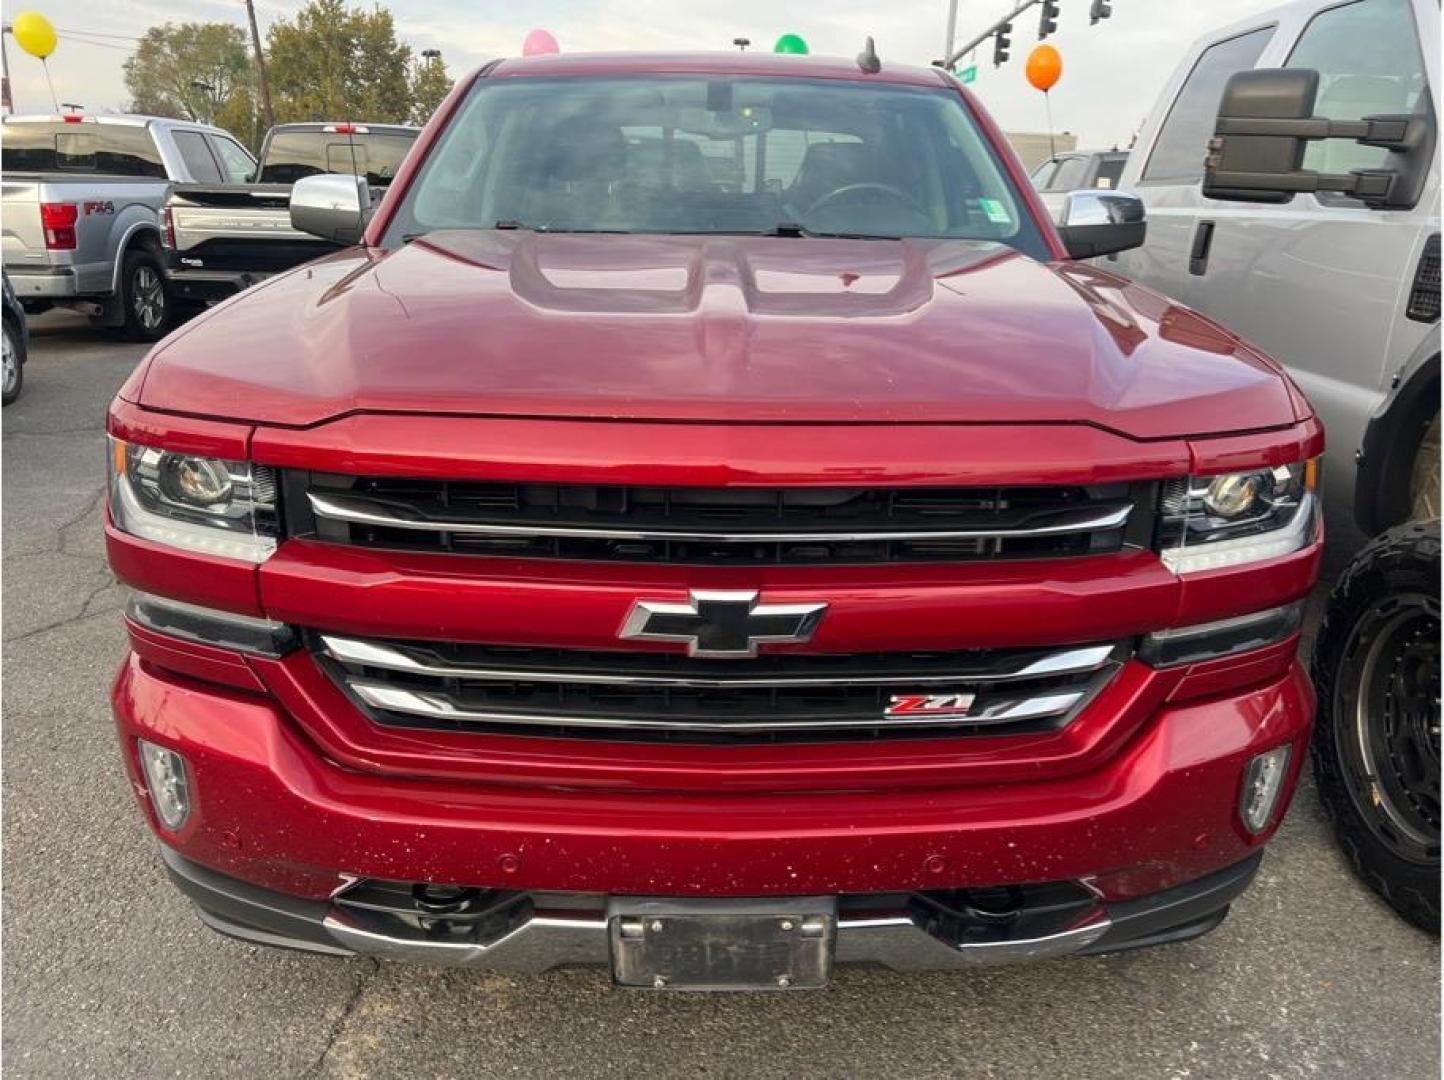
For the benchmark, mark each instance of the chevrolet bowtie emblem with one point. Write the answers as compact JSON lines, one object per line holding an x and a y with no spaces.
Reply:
{"x":722,"y":625}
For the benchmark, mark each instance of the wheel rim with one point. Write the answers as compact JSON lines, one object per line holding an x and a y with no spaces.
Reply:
{"x":11,"y":368}
{"x":1424,"y":483}
{"x":1390,"y":749}
{"x":148,"y":298}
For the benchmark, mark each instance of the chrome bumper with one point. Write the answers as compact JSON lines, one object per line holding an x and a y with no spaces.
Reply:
{"x":538,"y":935}
{"x":44,"y":284}
{"x":549,"y":939}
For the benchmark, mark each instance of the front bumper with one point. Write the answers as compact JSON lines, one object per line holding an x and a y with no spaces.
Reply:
{"x":538,"y":932}
{"x":271,"y":810}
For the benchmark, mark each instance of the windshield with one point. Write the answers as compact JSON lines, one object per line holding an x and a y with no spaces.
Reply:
{"x":686,"y":154}
{"x":290,"y":155}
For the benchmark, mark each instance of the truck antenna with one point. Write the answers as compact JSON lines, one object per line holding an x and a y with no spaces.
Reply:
{"x":867,"y":59}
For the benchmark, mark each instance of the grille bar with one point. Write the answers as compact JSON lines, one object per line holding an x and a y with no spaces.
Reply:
{"x":417,"y":703}
{"x":373,"y":654}
{"x":362,"y":511}
{"x":630,"y":694}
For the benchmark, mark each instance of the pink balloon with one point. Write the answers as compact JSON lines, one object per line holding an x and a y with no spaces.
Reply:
{"x":539,"y":43}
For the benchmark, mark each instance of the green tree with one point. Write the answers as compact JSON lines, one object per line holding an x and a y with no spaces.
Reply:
{"x":194,"y":71}
{"x":332,"y":62}
{"x":429,"y":85}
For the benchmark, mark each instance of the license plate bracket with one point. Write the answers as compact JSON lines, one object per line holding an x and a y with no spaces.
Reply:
{"x":722,"y":944}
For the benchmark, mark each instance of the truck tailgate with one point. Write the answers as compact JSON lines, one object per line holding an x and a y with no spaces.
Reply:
{"x":24,"y":237}
{"x":238,"y":227}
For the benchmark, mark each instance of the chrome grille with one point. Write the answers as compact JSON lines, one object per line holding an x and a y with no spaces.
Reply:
{"x":665,"y":696}
{"x":747,"y":526}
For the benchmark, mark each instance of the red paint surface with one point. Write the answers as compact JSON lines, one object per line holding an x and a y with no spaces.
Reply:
{"x":301,"y":821}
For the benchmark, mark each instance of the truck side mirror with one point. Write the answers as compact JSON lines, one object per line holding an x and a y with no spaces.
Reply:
{"x":1096,"y":222}
{"x":333,"y":206}
{"x":1265,"y":123}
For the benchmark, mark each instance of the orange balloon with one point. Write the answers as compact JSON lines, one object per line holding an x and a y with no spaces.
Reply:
{"x":1045,"y":67}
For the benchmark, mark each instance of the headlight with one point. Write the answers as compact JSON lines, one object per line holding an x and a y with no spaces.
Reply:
{"x":1208,"y":522}
{"x":202,"y":504}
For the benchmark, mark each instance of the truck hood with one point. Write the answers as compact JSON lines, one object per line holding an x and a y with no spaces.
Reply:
{"x":723,"y":329}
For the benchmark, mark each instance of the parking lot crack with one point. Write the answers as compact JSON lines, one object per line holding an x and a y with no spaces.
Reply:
{"x":82,"y":614}
{"x":347,"y":1010}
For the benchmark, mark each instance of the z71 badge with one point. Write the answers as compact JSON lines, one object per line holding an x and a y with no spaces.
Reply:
{"x":929,"y":705}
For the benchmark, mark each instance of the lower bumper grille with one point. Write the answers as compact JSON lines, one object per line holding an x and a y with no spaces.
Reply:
{"x":663,"y":696}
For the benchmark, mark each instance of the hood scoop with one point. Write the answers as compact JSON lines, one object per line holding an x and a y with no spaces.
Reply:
{"x":683,"y":275}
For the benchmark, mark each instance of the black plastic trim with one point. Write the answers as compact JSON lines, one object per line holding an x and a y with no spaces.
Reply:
{"x":1381,"y":489}
{"x":1178,"y":914}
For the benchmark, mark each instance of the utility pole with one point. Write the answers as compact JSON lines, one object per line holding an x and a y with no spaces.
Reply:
{"x":5,"y":98}
{"x":952,"y":29}
{"x":261,"y":66}
{"x":1019,"y":6}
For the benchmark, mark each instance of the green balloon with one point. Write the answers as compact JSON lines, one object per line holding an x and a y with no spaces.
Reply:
{"x":790,"y":43}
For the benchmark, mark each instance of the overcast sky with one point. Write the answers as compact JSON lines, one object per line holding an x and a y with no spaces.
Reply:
{"x":1111,"y":71}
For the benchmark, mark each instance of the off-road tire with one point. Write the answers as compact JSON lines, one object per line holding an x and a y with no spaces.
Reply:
{"x":1381,"y":631}
{"x":145,"y":297}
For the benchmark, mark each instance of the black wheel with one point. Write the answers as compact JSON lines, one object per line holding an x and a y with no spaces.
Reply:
{"x":12,"y":371}
{"x":145,"y":296}
{"x":1376,"y":745}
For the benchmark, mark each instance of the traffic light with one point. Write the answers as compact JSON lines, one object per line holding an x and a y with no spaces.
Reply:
{"x":1002,"y":42}
{"x":1101,"y":9}
{"x":1048,"y":21}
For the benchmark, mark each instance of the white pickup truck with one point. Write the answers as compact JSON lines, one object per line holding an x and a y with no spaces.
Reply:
{"x":81,"y":211}
{"x":1291,"y":178}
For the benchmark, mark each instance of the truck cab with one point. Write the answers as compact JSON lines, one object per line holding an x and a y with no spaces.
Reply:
{"x":1076,"y":170}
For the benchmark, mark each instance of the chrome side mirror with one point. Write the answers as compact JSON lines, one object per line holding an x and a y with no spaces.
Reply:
{"x":333,"y":206}
{"x":1095,"y":221}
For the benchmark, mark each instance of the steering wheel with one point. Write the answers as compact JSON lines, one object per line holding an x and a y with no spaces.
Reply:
{"x":851,"y":191}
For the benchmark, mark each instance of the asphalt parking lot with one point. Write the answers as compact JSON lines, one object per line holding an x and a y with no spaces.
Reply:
{"x":107,"y":972}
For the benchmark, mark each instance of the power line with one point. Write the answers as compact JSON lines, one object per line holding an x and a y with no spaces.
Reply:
{"x":100,"y":44}
{"x":97,"y":33}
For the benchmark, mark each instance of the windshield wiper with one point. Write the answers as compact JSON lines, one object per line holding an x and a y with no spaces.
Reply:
{"x":793,"y":229}
{"x":512,"y":223}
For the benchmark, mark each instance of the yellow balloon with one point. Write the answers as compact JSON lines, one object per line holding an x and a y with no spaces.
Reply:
{"x":34,"y":34}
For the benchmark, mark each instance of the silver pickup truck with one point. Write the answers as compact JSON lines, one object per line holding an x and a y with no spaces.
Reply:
{"x":221,"y":239}
{"x":82,"y":198}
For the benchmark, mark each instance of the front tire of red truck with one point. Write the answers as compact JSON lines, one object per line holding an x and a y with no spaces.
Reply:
{"x":1376,"y":744}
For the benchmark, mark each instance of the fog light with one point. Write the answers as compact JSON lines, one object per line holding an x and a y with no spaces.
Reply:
{"x":1263,"y":780}
{"x":165,"y":779}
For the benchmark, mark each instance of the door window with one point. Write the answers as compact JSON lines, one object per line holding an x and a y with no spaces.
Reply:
{"x":1110,"y":170}
{"x":199,"y":163}
{"x":1369,"y":64}
{"x":1182,"y":144}
{"x":1042,"y":174}
{"x":235,"y":162}
{"x":1070,"y":174}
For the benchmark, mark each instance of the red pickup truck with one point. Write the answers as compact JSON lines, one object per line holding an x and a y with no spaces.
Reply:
{"x":713,"y":526}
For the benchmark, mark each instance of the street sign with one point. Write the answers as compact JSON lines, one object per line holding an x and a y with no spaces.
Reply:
{"x":969,"y":73}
